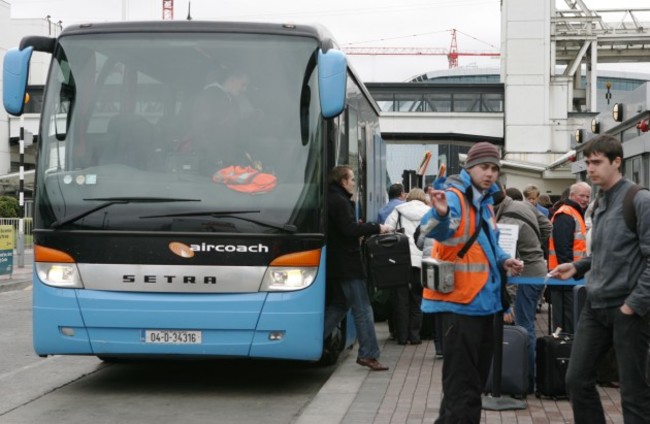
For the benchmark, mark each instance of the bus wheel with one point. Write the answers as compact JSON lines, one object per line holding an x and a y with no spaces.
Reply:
{"x":332,"y":347}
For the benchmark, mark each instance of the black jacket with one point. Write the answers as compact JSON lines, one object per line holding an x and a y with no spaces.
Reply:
{"x":343,"y":248}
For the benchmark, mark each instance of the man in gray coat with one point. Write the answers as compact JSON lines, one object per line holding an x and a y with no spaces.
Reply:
{"x":617,"y":308}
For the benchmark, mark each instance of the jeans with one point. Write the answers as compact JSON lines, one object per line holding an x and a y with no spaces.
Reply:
{"x":525,"y":310}
{"x":597,"y":330}
{"x":353,"y":294}
{"x":468,"y":345}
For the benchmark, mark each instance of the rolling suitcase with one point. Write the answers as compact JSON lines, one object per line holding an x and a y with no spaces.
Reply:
{"x":514,"y":370}
{"x":388,"y":260}
{"x":552,"y":360}
{"x":579,"y":298}
{"x":552,"y":354}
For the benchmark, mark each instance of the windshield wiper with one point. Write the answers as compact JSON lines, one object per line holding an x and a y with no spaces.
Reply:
{"x":108,"y":201}
{"x":231,"y":214}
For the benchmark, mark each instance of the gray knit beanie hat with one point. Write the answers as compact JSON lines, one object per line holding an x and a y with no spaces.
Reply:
{"x":482,"y":152}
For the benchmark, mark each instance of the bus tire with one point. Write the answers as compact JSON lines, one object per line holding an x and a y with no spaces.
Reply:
{"x":333,"y":346}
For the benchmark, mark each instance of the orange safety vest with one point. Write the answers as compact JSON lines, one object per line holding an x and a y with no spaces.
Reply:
{"x":245,"y":179}
{"x":579,"y":237}
{"x":472,"y":271}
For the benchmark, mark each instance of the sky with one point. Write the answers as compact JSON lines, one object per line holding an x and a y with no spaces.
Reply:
{"x":362,"y":23}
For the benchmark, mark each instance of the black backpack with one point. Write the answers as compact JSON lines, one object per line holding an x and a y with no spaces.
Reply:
{"x":629,"y":213}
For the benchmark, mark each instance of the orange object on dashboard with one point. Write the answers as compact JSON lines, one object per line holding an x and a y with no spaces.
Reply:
{"x":245,"y":179}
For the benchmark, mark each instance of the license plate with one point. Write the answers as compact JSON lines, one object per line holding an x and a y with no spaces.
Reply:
{"x":172,"y":337}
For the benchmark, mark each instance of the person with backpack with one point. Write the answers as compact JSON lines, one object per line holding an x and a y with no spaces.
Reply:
{"x":617,"y":308}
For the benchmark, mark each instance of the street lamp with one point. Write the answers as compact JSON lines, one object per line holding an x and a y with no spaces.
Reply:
{"x":617,"y":112}
{"x":595,"y":126}
{"x":579,"y":136}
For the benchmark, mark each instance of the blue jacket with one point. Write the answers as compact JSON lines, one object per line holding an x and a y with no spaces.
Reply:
{"x":542,"y":209}
{"x":387,"y":209}
{"x":488,"y":301}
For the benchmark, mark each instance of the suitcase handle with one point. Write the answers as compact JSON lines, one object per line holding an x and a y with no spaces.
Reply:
{"x":388,"y":240}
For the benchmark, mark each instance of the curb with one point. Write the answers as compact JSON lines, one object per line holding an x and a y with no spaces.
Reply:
{"x":334,"y":400}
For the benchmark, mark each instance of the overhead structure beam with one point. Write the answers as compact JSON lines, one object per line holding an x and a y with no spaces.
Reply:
{"x":583,"y":36}
{"x":571,"y":69}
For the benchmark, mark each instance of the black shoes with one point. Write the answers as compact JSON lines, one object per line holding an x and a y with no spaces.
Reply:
{"x":372,"y":363}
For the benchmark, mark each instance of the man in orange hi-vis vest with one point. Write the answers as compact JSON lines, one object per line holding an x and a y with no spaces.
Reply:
{"x":468,"y":311}
{"x":568,"y":243}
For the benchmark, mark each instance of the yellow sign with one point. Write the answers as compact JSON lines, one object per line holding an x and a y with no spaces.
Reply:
{"x":6,"y":237}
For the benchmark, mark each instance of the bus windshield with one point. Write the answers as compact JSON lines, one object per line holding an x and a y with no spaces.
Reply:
{"x":187,"y":132}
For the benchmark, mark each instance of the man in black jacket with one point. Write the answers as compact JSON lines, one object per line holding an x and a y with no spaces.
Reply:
{"x":568,"y":244}
{"x":344,"y":269}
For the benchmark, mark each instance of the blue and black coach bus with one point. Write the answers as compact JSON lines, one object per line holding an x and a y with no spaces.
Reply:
{"x":158,"y":234}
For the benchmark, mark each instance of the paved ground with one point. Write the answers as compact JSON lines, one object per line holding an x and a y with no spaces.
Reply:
{"x":19,"y":279}
{"x":410,"y":392}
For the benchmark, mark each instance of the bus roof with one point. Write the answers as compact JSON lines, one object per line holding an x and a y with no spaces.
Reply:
{"x":317,"y":32}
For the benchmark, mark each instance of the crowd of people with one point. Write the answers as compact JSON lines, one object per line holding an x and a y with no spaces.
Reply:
{"x":457,"y":220}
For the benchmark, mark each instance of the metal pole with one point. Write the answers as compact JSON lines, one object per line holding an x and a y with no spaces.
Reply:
{"x":20,"y":249}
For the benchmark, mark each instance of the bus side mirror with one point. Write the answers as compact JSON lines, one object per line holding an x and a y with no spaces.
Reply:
{"x":14,"y":79}
{"x":332,"y":82}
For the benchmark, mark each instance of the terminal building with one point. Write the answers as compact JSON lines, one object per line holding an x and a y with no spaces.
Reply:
{"x":444,"y":112}
{"x":548,"y":87}
{"x":541,"y":106}
{"x":628,"y":120}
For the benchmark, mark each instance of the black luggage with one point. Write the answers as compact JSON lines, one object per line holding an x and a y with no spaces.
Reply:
{"x":388,"y":260}
{"x":514,"y":369}
{"x":552,"y":354}
{"x":579,"y":298}
{"x":552,"y":360}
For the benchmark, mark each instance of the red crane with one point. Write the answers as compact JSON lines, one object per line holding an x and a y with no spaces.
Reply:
{"x":452,"y":53}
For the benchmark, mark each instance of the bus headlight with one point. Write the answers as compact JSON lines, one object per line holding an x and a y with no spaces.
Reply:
{"x":59,"y":275}
{"x":288,"y":278}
